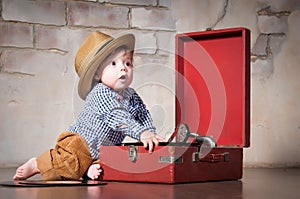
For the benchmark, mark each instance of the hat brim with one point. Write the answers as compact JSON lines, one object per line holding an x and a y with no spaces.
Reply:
{"x":86,"y":79}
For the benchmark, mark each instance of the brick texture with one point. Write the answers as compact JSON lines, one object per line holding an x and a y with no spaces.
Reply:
{"x":32,"y":62}
{"x":272,"y":24}
{"x":261,"y":45}
{"x":62,"y":39}
{"x":20,"y":35}
{"x":166,"y":42}
{"x":97,"y":15}
{"x":135,"y":2}
{"x":157,"y":19}
{"x":44,"y":12}
{"x":145,"y":43}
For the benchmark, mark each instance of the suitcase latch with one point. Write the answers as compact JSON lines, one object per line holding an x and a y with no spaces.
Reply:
{"x":213,"y":158}
{"x":132,"y":153}
{"x":170,"y":159}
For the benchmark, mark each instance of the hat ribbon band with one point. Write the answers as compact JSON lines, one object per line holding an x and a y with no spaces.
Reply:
{"x":90,"y":56}
{"x":105,"y":44}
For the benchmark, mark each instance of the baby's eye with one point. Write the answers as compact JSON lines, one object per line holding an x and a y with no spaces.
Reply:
{"x":128,"y":63}
{"x":113,"y":63}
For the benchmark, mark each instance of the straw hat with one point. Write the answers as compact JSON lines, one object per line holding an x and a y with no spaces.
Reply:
{"x":92,"y":53}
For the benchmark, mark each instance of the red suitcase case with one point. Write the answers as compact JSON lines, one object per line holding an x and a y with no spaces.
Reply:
{"x":213,"y":99}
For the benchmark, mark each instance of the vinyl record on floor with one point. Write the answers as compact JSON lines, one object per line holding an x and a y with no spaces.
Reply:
{"x":42,"y":183}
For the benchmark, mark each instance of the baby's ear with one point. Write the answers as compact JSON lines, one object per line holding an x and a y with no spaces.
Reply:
{"x":96,"y":80}
{"x":96,"y":77}
{"x":98,"y":73}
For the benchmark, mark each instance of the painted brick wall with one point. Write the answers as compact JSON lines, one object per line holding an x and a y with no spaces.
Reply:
{"x":38,"y":43}
{"x":39,"y":39}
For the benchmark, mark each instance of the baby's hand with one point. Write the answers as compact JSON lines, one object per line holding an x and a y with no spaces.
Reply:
{"x":94,"y":171}
{"x":148,"y":138}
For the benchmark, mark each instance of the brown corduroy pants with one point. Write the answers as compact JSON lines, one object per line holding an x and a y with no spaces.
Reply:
{"x":69,"y":160}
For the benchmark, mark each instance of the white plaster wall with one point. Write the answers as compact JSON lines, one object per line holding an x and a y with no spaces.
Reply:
{"x":275,"y":107}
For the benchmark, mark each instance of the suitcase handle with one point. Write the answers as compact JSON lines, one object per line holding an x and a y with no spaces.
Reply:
{"x":212,"y":158}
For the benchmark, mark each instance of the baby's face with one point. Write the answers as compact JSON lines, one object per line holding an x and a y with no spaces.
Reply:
{"x":117,"y":72}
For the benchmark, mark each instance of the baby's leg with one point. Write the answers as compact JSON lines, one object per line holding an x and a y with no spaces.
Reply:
{"x":27,"y":170}
{"x":94,"y":171}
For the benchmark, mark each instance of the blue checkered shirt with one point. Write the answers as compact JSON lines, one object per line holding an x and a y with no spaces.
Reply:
{"x":108,"y":117}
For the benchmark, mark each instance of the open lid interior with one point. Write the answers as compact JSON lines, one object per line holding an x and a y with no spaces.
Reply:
{"x":213,"y":84}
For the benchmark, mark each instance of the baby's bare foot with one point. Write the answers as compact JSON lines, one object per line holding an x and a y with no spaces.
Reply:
{"x":94,"y":171}
{"x":27,"y":170}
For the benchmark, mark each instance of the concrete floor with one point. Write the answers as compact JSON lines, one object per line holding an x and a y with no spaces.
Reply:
{"x":256,"y":183}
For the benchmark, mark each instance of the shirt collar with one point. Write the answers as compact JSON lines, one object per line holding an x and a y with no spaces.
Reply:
{"x":124,"y":94}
